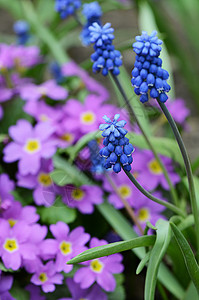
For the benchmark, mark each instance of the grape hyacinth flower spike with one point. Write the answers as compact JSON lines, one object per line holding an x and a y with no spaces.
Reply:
{"x":117,"y":151}
{"x":105,"y":58}
{"x":22,"y":30}
{"x":148,"y":76}
{"x":92,"y":13}
{"x":67,"y":7}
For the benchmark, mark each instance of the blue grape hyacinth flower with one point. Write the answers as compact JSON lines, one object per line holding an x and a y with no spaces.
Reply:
{"x":97,"y":161}
{"x":67,"y":7}
{"x":105,"y":58}
{"x":92,"y":13}
{"x":22,"y":30}
{"x":148,"y":76}
{"x":117,"y":149}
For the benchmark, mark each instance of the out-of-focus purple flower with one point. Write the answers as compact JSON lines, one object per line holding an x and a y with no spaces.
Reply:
{"x":15,"y":244}
{"x":17,"y":213}
{"x":66,"y":245}
{"x":93,"y":293}
{"x":5,"y":55}
{"x":86,"y":117}
{"x":5,"y":285}
{"x":147,"y":210}
{"x":37,"y":235}
{"x":24,"y":57}
{"x":5,"y":92}
{"x":6,"y":187}
{"x":72,"y":69}
{"x":30,"y":145}
{"x":177,"y":109}
{"x":32,"y":92}
{"x":99,"y":270}
{"x":34,"y":292}
{"x":1,"y":112}
{"x":83,"y":198}
{"x":46,"y":276}
{"x":125,"y":188}
{"x":44,"y":189}
{"x":43,"y":112}
{"x":150,"y":172}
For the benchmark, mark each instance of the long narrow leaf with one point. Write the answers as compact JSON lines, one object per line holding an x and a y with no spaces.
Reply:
{"x":188,"y":255}
{"x":96,"y":252}
{"x":125,"y":231}
{"x":157,"y":253}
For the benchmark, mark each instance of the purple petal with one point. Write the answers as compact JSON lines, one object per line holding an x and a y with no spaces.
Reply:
{"x":21,"y":131}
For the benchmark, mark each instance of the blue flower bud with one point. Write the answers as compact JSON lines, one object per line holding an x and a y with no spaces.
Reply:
{"x":124,"y":159}
{"x":163,"y":97}
{"x":144,"y":98}
{"x":117,"y":168}
{"x":113,"y":158}
{"x":144,"y":88}
{"x":154,"y":93}
{"x":118,"y":150}
{"x":135,"y":72}
{"x":150,"y":79}
{"x":128,"y":149}
{"x":143,"y":74}
{"x":127,"y":168}
{"x":111,"y":147}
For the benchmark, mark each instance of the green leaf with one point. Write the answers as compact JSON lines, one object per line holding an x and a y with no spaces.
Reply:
{"x":105,"y":250}
{"x":196,"y":185}
{"x":118,"y":294}
{"x":188,"y":255}
{"x":147,"y":23}
{"x":191,"y":292}
{"x":125,"y":231}
{"x":142,"y":263}
{"x":157,"y":253}
{"x":68,"y":170}
{"x":4,"y":269}
{"x":61,"y":178}
{"x":58,"y":212}
{"x":2,"y":137}
{"x":13,"y":7}
{"x":19,"y":293}
{"x":164,"y":146}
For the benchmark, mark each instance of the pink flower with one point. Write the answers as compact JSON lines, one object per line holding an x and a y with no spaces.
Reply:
{"x":83,"y":198}
{"x":15,"y":244}
{"x":85,"y":117}
{"x":65,"y":245}
{"x":72,"y":69}
{"x":6,"y":187}
{"x":30,"y":145}
{"x":99,"y":270}
{"x":32,"y":92}
{"x":46,"y":277}
{"x":150,"y":172}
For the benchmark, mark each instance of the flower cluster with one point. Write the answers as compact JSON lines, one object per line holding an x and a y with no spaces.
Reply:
{"x":117,"y":150}
{"x":22,"y":28}
{"x":92,"y":12}
{"x":105,"y":57}
{"x":67,"y":7}
{"x":148,"y":76}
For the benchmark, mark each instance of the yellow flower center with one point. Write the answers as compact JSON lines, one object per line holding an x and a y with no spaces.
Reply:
{"x":32,"y":146}
{"x":88,"y":118}
{"x":125,"y":191}
{"x":67,"y":137}
{"x":77,"y":194}
{"x":12,"y":222}
{"x":65,"y":248}
{"x":155,"y":167}
{"x":143,"y":215}
{"x":11,"y":245}
{"x":96,"y":265}
{"x":42,"y":91}
{"x":44,"y":179}
{"x":43,"y":118}
{"x":43,"y":277}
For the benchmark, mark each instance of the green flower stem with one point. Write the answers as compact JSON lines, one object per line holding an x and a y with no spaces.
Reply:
{"x":170,"y":206}
{"x":125,"y":203}
{"x":132,"y":113}
{"x":43,"y":33}
{"x":188,"y":169}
